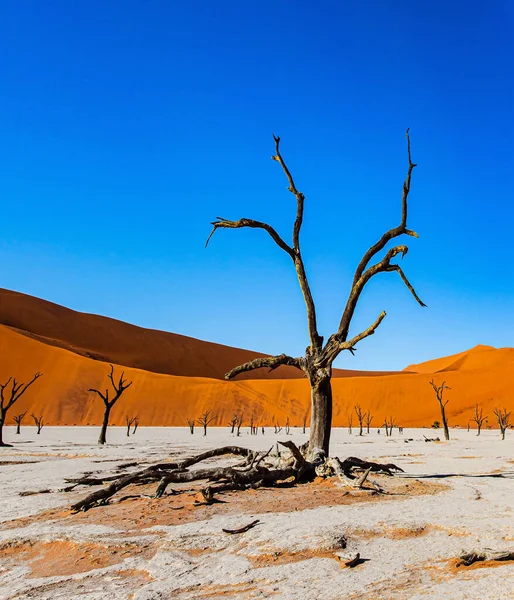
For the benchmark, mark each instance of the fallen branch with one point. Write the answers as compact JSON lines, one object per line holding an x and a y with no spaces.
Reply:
{"x":258,"y":469}
{"x":242,"y":529}
{"x":468,"y":558}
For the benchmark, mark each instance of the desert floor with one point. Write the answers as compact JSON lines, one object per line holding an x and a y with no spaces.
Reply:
{"x":142,"y":548}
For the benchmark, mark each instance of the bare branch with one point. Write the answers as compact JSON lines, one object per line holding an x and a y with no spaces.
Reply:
{"x":271,"y":362}
{"x":333,"y":346}
{"x":17,"y":390}
{"x":294,"y":251}
{"x":222,"y":223}
{"x":364,"y":273}
{"x":292,"y":188}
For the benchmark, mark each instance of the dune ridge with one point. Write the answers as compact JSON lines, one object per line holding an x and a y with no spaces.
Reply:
{"x":113,"y":341}
{"x":478,"y":375}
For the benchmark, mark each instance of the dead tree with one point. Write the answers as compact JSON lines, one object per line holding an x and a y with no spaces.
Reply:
{"x":38,"y":422}
{"x":9,"y":396}
{"x":240,"y":421}
{"x":350,"y":421}
{"x":252,"y":424}
{"x":129,"y":421}
{"x":118,"y":389}
{"x":232,"y":423}
{"x":304,"y":423}
{"x":320,"y":355}
{"x":191,"y":423}
{"x":389,"y":424}
{"x":136,"y":425}
{"x":205,"y":420}
{"x":288,"y":426}
{"x":478,"y":418}
{"x":439,"y":391}
{"x":367,"y":420}
{"x":503,"y":419}
{"x":18,"y":419}
{"x":360,"y":416}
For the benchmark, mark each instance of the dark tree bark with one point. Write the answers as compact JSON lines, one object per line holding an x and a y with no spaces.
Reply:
{"x":38,"y":422}
{"x":232,"y":423}
{"x":118,"y":388}
{"x":130,"y":421}
{"x":239,"y":424}
{"x":367,"y":419}
{"x":503,"y":419}
{"x":478,"y":418}
{"x":8,"y":397}
{"x":205,"y":420}
{"x":304,"y":424}
{"x":360,"y":417}
{"x":439,"y":392}
{"x":319,"y":356}
{"x":191,"y":423}
{"x":18,"y":419}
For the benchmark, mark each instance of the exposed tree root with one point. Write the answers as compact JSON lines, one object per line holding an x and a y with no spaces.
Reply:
{"x":257,"y":470}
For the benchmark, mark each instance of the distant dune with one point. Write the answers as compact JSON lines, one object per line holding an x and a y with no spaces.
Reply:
{"x":113,"y":341}
{"x":72,"y":351}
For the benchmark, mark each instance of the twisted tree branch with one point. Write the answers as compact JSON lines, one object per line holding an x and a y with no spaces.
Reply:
{"x":271,"y":362}
{"x":222,"y":223}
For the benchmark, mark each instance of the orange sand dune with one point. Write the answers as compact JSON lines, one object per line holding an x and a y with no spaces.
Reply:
{"x":114,"y":341}
{"x":160,"y":399}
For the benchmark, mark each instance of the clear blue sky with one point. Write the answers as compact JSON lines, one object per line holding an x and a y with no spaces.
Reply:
{"x":126,"y":127}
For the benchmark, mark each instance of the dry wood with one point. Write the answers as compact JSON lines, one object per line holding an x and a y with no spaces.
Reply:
{"x":259,"y":469}
{"x":242,"y":529}
{"x":439,"y":391}
{"x":503,"y":419}
{"x":10,"y":397}
{"x":118,"y":388}
{"x":468,"y":558}
{"x":319,"y":357}
{"x":350,"y":559}
{"x":478,"y":418}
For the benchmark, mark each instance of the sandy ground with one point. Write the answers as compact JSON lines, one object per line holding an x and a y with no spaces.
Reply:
{"x":144,"y":549}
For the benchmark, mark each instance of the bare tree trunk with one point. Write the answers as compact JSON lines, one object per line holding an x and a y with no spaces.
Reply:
{"x":2,"y":421}
{"x":445,"y":422}
{"x":321,"y":419}
{"x":103,"y":432}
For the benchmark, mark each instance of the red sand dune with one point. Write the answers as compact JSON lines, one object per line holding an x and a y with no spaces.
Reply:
{"x":114,"y":341}
{"x":48,"y":338}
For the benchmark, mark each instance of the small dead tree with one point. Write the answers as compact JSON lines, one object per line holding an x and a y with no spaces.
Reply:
{"x":240,"y":421}
{"x":350,"y":421}
{"x":232,"y":423}
{"x":136,"y":425}
{"x":478,"y":418}
{"x":38,"y":422}
{"x":129,"y":421}
{"x":304,"y":423}
{"x":367,"y":420}
{"x":389,"y":424}
{"x":503,"y":419}
{"x":360,"y":416}
{"x":118,"y":389}
{"x":252,"y":424}
{"x":288,"y":426}
{"x":9,"y":396}
{"x":18,"y":419}
{"x":439,"y":391}
{"x":321,"y":353}
{"x":205,"y":420}
{"x":191,"y":423}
